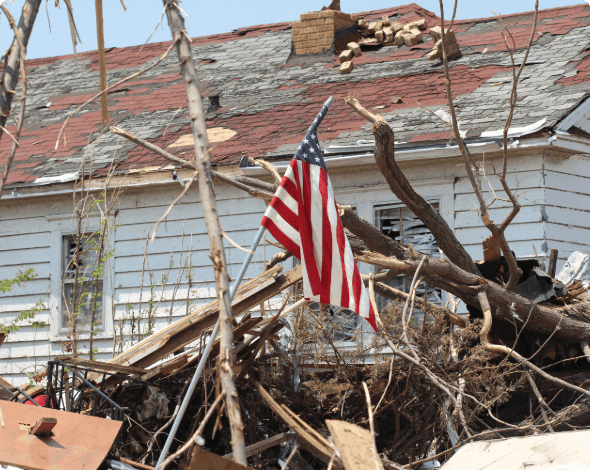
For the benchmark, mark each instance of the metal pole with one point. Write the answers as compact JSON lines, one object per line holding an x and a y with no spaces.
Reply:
{"x":205,"y":354}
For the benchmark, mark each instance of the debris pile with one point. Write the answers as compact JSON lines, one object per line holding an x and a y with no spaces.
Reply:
{"x":304,"y":401}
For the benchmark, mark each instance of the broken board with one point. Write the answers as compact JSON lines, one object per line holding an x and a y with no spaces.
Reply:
{"x":354,"y":444}
{"x":78,"y":441}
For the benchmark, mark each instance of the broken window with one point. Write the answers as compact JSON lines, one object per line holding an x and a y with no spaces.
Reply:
{"x":400,"y":223}
{"x":82,"y":283}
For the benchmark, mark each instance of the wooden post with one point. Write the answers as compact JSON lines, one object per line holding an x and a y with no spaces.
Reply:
{"x":205,"y":181}
{"x":552,"y":263}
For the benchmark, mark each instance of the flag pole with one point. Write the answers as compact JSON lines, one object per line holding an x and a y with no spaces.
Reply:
{"x":206,"y":352}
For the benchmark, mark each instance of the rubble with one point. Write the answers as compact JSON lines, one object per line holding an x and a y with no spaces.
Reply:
{"x":452,"y":47}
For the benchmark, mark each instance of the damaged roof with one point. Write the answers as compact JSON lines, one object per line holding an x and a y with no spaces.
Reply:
{"x":260,"y":97}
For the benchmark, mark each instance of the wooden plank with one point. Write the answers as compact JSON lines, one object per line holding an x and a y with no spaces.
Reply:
{"x":78,"y":441}
{"x":185,"y":330}
{"x":265,"y":444}
{"x":3,"y":393}
{"x":354,"y":444}
{"x":103,"y":366}
{"x":552,"y":265}
{"x":239,"y":331}
{"x":309,"y":439}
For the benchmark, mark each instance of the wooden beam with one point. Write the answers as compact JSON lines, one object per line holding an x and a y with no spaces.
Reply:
{"x":265,"y":444}
{"x":103,"y":366}
{"x":552,"y":266}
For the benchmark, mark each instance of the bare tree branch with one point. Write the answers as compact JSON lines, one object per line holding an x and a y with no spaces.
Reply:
{"x":205,"y":180}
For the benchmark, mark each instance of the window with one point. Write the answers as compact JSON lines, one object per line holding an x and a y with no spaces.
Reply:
{"x":400,"y":223}
{"x":82,"y":283}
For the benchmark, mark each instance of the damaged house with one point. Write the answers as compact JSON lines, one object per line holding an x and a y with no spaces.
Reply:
{"x":262,"y":86}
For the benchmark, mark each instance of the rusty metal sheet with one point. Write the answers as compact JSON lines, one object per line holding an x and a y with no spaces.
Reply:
{"x":78,"y":442}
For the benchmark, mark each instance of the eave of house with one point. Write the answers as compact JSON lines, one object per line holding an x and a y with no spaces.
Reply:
{"x":560,"y":142}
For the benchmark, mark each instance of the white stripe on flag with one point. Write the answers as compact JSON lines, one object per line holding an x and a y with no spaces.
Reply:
{"x":336,"y":276}
{"x":283,"y":225}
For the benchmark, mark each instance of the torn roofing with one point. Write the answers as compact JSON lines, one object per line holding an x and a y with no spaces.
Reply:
{"x":259,"y":101}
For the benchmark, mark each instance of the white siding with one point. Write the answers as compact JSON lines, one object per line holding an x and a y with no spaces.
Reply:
{"x":554,"y":194}
{"x":567,"y":209}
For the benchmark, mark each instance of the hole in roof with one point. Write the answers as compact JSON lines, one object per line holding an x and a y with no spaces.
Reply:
{"x":214,"y":102}
{"x":207,"y":61}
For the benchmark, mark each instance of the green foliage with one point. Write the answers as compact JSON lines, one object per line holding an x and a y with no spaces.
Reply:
{"x":6,"y":285}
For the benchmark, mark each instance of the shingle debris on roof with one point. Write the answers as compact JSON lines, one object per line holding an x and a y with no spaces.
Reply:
{"x":267,"y":101}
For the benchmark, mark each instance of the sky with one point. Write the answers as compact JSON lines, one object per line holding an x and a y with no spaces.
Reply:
{"x":51,"y":34}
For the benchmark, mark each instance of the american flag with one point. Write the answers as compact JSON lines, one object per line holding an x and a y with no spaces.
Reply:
{"x":303,"y":217}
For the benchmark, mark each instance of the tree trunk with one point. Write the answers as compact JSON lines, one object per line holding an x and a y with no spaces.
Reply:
{"x":11,"y":71}
{"x":203,"y":165}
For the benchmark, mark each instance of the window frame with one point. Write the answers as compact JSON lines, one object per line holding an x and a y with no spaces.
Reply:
{"x":62,"y":226}
{"x":400,"y":205}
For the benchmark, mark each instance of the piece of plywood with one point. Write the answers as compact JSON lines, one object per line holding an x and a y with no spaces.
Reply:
{"x":214,"y":134}
{"x":562,"y":450}
{"x":354,"y":445}
{"x":78,"y":441}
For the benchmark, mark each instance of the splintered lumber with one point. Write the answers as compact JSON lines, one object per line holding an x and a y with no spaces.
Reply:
{"x":9,"y":386}
{"x":184,"y":331}
{"x":354,"y":445}
{"x":103,"y":366}
{"x":552,"y":265}
{"x":239,"y":331}
{"x":78,"y":441}
{"x":265,"y":444}
{"x":309,"y":439}
{"x":167,"y":367}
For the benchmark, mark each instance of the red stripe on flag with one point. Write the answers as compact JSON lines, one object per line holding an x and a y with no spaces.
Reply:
{"x":372,"y":319}
{"x":281,"y":237}
{"x":341,"y":240}
{"x":357,"y":287}
{"x":305,"y":227}
{"x":289,"y":186}
{"x":326,"y":240}
{"x":286,"y":213}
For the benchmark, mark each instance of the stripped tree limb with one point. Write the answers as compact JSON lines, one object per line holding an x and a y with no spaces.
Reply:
{"x":421,"y":303}
{"x":498,"y":348}
{"x":21,"y":117}
{"x":268,"y":167}
{"x":507,"y":305}
{"x":240,"y":182}
{"x":401,"y":187}
{"x":12,"y":67}
{"x":205,"y":180}
{"x":470,"y":165}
